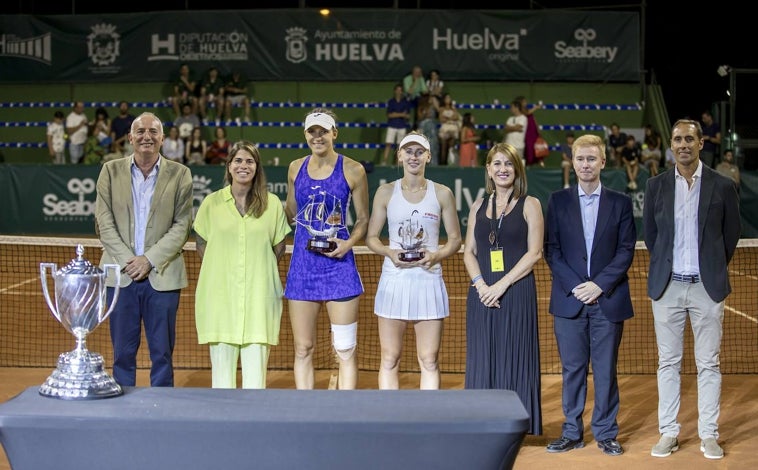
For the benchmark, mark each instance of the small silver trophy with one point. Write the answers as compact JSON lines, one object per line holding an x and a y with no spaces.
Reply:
{"x":322,"y":217}
{"x":80,"y":307}
{"x":412,"y":238}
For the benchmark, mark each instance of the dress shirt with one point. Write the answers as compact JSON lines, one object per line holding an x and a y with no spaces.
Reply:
{"x":686,"y":200}
{"x":142,"y":196}
{"x":589,"y":204}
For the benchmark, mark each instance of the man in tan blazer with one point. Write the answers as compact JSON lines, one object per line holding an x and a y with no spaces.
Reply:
{"x":143,"y":218}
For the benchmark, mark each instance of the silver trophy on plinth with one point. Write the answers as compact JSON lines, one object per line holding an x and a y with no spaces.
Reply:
{"x":80,"y":298}
{"x":412,"y":239}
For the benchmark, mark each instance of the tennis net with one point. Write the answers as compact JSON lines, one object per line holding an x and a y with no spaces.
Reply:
{"x":31,"y":337}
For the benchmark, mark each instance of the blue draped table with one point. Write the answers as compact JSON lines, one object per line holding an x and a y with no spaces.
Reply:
{"x":200,"y":428}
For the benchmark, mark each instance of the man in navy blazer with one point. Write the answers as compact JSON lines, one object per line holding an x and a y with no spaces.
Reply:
{"x":692,"y":225}
{"x":590,"y":239}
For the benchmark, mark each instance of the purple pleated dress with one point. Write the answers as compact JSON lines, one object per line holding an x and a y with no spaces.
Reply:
{"x":312,"y":276}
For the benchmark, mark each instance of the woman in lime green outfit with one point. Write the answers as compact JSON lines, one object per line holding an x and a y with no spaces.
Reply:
{"x":240,"y":232}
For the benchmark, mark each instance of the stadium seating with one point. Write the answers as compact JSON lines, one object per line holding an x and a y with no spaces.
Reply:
{"x":279,"y":107}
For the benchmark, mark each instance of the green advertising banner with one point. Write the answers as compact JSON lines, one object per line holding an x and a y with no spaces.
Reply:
{"x":60,"y":200}
{"x":301,"y":44}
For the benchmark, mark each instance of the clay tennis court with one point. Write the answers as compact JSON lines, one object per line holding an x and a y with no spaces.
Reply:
{"x":31,"y":340}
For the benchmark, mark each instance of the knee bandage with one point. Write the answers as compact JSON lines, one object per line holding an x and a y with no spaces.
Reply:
{"x":344,"y":339}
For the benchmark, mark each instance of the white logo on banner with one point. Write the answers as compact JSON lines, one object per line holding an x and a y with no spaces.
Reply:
{"x":103,"y":44}
{"x":200,"y":189}
{"x":199,"y":47}
{"x":585,"y":52}
{"x":346,"y":45}
{"x":36,"y":48}
{"x":296,"y":39}
{"x":64,"y":210}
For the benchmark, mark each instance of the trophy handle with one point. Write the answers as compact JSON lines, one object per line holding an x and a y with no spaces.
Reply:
{"x":43,"y":277}
{"x":117,"y":270}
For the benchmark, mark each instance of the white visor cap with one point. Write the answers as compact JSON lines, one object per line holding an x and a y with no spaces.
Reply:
{"x":415,"y":139}
{"x":320,"y":119}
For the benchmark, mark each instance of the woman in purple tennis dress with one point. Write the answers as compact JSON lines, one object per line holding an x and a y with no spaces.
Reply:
{"x":321,"y":188}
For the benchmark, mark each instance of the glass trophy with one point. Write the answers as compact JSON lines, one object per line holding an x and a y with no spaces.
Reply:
{"x":322,"y":217}
{"x":412,"y":238}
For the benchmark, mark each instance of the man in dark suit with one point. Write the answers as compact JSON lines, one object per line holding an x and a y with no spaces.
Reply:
{"x":691,"y":222}
{"x":590,"y":294}
{"x":143,"y":215}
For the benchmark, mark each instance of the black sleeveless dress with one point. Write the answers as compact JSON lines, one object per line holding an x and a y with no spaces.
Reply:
{"x":502,"y":344}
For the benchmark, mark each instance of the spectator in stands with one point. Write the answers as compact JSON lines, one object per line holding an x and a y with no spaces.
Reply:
{"x":173,"y":145}
{"x":146,"y":239}
{"x":238,"y":306}
{"x":185,"y":91}
{"x":428,"y":124}
{"x":631,"y":154}
{"x":101,"y":128}
{"x":77,"y":128}
{"x":56,"y":139}
{"x":235,"y":94}
{"x":195,"y":148}
{"x":120,"y":127}
{"x":414,"y":84}
{"x":450,"y":128}
{"x":218,"y":150}
{"x":566,"y":160}
{"x":398,"y":116}
{"x":315,"y":278}
{"x":114,"y":154}
{"x":691,"y":219}
{"x":711,"y":139}
{"x":467,"y":149}
{"x":616,"y":142}
{"x":670,"y":159}
{"x":504,"y":241}
{"x":412,"y":291}
{"x":435,"y":85}
{"x":515,"y":128}
{"x":651,"y":149}
{"x":590,"y":297}
{"x":414,"y":87}
{"x":186,"y":123}
{"x":93,"y":151}
{"x":531,"y":132}
{"x":728,"y":168}
{"x":212,"y":92}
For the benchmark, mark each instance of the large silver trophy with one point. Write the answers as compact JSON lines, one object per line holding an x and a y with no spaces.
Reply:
{"x":80,"y":298}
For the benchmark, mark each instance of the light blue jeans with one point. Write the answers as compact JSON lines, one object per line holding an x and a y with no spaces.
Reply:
{"x":76,"y":152}
{"x":680,"y":301}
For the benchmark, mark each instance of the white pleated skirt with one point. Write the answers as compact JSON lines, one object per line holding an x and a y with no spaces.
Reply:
{"x":411,"y":294}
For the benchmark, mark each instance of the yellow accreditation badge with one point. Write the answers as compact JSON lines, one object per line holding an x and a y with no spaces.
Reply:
{"x":496,"y":260}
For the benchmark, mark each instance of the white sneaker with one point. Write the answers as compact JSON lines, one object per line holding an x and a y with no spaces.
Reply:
{"x":665,"y":446}
{"x":711,"y":449}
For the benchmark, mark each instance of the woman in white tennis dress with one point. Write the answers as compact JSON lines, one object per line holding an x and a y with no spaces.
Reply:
{"x":411,"y":288}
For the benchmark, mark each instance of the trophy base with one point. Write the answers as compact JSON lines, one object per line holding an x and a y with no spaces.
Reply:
{"x":80,"y":375}
{"x":410,"y":256}
{"x":321,"y":246}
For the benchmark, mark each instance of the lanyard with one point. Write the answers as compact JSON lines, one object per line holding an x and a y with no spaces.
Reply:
{"x":495,"y":234}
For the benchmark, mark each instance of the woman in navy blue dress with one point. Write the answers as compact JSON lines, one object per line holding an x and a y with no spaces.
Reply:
{"x":504,"y":241}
